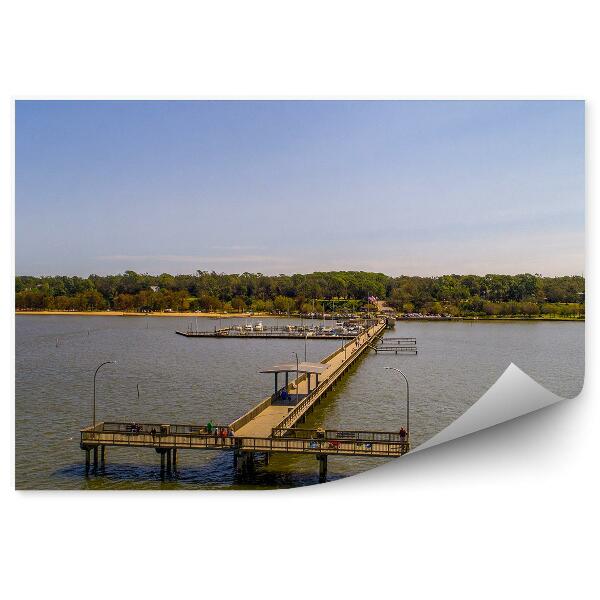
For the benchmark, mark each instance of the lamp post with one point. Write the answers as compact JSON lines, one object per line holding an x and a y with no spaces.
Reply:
{"x":297,"y":376}
{"x":407,"y":400}
{"x":305,"y":338}
{"x":108,"y":362}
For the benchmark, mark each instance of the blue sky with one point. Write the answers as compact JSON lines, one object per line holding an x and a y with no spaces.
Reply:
{"x":293,"y":187}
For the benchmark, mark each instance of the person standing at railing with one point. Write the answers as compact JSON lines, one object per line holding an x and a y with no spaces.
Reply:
{"x":402,"y":434}
{"x":223,"y":435}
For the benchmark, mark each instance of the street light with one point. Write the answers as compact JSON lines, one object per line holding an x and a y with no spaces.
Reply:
{"x":407,"y":400}
{"x":108,"y":362}
{"x":297,"y":376}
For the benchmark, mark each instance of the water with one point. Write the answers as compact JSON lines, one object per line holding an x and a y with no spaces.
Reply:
{"x":185,"y":380}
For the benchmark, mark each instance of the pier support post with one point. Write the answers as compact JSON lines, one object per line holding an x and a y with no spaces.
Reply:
{"x":162,"y":462}
{"x":102,"y":456}
{"x":174,"y":459}
{"x":267,"y":458}
{"x":244,"y":463}
{"x":95,"y":458}
{"x":87,"y":460}
{"x":237,"y":454}
{"x":250,"y":466}
{"x":322,"y":458}
{"x":168,"y":461}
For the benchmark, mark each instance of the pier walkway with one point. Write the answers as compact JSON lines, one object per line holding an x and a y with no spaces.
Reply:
{"x":268,"y":415}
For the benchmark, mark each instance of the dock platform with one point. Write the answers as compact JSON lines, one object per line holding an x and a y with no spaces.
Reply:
{"x":293,"y":335}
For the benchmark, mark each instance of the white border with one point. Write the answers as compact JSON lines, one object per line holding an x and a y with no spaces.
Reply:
{"x":511,"y":511}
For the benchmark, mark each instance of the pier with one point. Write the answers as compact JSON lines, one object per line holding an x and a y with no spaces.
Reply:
{"x":402,"y":345}
{"x":236,"y":335}
{"x":347,"y":331}
{"x":270,"y":426}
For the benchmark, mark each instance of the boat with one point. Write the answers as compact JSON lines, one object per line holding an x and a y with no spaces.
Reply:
{"x":259,"y":327}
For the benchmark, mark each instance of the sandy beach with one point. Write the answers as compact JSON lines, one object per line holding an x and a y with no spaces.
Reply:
{"x":118,"y":313}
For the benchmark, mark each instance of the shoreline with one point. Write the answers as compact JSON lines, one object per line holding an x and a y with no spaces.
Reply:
{"x":215,"y":315}
{"x":118,"y":313}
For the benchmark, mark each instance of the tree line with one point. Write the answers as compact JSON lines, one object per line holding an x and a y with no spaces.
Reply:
{"x":490,"y":295}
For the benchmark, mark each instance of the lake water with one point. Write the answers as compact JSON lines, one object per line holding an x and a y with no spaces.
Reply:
{"x":185,"y":380}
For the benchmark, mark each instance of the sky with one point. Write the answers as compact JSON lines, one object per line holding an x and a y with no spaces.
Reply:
{"x":400,"y":187}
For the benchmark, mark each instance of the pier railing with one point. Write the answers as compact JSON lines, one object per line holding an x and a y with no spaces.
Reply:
{"x":344,"y":443}
{"x":325,"y":446}
{"x":399,"y":341}
{"x":338,"y":434}
{"x":158,"y":428}
{"x":124,"y":437}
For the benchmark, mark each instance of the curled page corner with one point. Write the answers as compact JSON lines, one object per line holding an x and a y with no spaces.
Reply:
{"x":514,"y":394}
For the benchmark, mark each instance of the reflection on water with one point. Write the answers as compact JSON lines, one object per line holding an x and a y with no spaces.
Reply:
{"x":193,"y":380}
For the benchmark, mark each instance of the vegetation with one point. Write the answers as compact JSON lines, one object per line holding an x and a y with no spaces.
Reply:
{"x":523,"y":295}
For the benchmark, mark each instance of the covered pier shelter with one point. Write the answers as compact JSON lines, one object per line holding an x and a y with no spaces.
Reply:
{"x":307,"y":369}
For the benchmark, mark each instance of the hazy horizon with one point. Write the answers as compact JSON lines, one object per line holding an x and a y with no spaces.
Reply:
{"x":420,"y":188}
{"x":291,"y":274}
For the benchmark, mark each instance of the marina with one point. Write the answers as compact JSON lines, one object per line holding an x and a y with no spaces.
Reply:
{"x":346,"y":330}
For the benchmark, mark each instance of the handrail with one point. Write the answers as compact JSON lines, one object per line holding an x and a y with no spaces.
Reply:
{"x":339,"y":434}
{"x":266,"y":444}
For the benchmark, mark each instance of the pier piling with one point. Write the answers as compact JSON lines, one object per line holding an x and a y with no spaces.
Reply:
{"x":322,"y":458}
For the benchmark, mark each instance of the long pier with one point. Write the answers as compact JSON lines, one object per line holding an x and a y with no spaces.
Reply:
{"x":270,"y":426}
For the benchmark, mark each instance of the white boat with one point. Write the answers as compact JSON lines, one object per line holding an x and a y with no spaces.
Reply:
{"x":248,"y":327}
{"x":259,"y":327}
